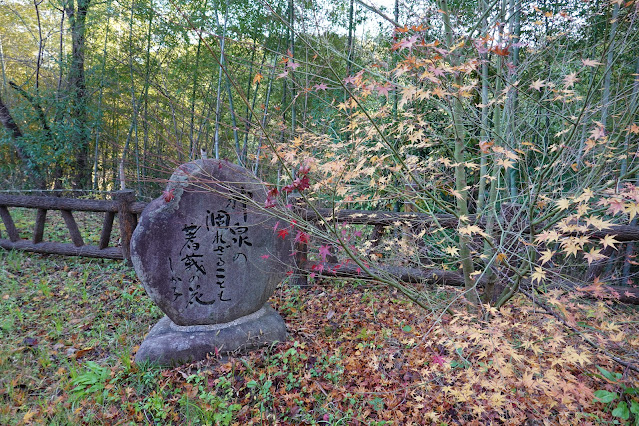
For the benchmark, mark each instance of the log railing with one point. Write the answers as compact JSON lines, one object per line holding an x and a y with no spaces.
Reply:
{"x":383,"y":219}
{"x":122,"y":203}
{"x":380,"y":220}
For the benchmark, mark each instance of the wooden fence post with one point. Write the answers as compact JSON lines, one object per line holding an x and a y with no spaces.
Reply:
{"x":299,"y":278}
{"x":8,"y":224}
{"x":127,"y":220}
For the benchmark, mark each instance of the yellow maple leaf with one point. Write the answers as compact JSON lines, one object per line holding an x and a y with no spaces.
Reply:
{"x":537,"y":85}
{"x":28,"y":416}
{"x":582,"y":358}
{"x":590,"y":144}
{"x":598,"y":223}
{"x":457,"y":194}
{"x":445,"y":161}
{"x":497,"y":399}
{"x":571,"y":246}
{"x":532,"y":147}
{"x":528,"y":381}
{"x":570,"y":79}
{"x":632,"y":209}
{"x":593,"y":255}
{"x":437,"y":91}
{"x":551,"y":235}
{"x":563,"y":204}
{"x":585,"y":196}
{"x":619,"y":337}
{"x":582,"y":209}
{"x":453,"y":251}
{"x":470,"y":165}
{"x":546,"y":256}
{"x":511,"y":155}
{"x":507,"y":164}
{"x":408,"y":92}
{"x":470,"y":230}
{"x":609,"y":240}
{"x":581,"y":240}
{"x":539,"y":275}
{"x":477,"y":409}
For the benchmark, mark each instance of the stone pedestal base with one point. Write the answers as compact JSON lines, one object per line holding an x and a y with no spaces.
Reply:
{"x":170,"y":344}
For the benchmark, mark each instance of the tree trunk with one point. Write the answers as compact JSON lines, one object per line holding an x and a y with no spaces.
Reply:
{"x":460,"y":173}
{"x":77,"y":90}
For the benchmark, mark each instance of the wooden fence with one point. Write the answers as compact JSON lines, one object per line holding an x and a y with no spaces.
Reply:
{"x":123,"y":204}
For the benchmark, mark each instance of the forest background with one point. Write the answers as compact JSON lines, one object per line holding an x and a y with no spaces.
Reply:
{"x":516,"y":121}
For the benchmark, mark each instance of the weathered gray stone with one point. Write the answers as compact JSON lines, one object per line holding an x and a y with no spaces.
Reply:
{"x":208,"y":256}
{"x":168,"y":344}
{"x":204,"y":251}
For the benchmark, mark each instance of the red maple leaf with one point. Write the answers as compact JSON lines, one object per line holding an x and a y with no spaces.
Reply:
{"x":168,"y":195}
{"x":302,"y":183}
{"x":282,"y":233}
{"x":383,"y":90}
{"x":269,"y":203}
{"x":349,"y":79}
{"x":438,"y":360}
{"x":324,"y":251}
{"x":305,"y":169}
{"x":302,"y":237}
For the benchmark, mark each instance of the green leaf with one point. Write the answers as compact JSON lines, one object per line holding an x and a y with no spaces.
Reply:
{"x":605,"y":396}
{"x":634,"y":408}
{"x":407,"y":328}
{"x":613,"y":377}
{"x":621,"y":411}
{"x":631,"y":391}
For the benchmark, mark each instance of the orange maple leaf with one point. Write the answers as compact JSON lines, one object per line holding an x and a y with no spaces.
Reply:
{"x":501,"y":51}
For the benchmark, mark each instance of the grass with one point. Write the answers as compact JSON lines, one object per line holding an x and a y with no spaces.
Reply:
{"x":356,"y":354}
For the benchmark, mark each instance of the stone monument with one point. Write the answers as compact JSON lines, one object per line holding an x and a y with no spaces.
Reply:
{"x":208,"y":256}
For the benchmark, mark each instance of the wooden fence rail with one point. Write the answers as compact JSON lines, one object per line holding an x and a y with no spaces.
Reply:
{"x":122,"y":203}
{"x":414,"y":220}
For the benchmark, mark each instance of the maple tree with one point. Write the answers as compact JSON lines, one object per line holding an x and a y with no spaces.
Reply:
{"x":538,"y":176}
{"x":441,"y":163}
